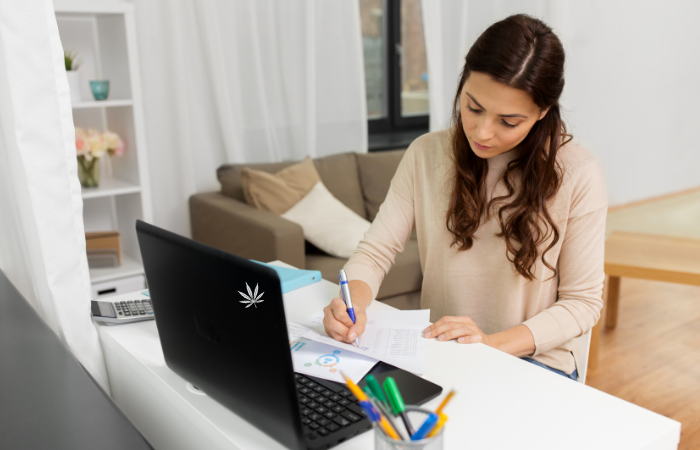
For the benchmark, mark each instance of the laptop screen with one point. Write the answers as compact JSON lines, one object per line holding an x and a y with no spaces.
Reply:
{"x":222,"y":327}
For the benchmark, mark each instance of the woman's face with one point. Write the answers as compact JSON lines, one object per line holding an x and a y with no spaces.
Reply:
{"x":495,"y":117}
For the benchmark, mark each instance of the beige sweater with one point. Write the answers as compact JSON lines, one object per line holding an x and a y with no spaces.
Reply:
{"x":481,"y":283}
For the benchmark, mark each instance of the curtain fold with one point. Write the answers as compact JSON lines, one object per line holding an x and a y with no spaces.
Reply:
{"x":42,"y":239}
{"x":445,"y":27}
{"x":245,"y":81}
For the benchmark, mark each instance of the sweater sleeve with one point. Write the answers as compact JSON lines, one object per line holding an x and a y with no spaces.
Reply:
{"x":390,"y":230}
{"x":581,"y":268}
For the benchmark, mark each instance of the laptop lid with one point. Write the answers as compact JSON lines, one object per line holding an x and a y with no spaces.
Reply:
{"x":222,"y":327}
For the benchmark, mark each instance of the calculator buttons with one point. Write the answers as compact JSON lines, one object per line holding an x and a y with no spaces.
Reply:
{"x":139,"y":307}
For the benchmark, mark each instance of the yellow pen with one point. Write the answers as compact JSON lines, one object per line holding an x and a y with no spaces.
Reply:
{"x":439,"y":425}
{"x":355,"y":389}
{"x":357,"y":392}
{"x":445,"y":401}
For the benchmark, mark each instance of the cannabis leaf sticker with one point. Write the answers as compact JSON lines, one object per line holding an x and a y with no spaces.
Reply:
{"x":252,"y":298}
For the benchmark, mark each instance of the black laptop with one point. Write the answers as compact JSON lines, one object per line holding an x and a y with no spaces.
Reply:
{"x":234,"y":346}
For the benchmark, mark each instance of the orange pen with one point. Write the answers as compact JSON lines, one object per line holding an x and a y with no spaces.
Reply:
{"x":445,"y":401}
{"x":439,"y":425}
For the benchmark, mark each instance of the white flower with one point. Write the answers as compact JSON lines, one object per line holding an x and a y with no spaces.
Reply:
{"x":111,"y":139}
{"x":98,"y":146}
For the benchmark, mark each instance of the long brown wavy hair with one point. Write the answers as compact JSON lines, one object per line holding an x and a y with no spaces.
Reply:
{"x":520,"y":52}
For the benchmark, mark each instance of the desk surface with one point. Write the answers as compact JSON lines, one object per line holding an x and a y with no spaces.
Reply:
{"x":47,"y":399}
{"x":502,"y":402}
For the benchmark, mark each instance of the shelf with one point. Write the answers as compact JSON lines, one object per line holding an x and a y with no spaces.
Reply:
{"x":128,"y":268}
{"x":110,"y":186}
{"x":103,"y":34}
{"x":102,"y":104}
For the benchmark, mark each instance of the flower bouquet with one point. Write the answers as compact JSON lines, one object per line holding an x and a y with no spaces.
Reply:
{"x":91,"y":145}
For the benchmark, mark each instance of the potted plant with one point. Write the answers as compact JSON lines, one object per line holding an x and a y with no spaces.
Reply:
{"x":91,"y":145}
{"x":73,"y":75}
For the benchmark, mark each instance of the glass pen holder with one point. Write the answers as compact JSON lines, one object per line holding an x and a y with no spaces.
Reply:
{"x":416,"y":416}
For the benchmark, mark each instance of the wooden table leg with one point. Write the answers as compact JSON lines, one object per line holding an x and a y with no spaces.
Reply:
{"x":595,"y":346}
{"x":613,"y":304}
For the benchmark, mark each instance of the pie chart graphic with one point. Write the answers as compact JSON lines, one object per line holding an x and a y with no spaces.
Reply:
{"x":329,"y":361}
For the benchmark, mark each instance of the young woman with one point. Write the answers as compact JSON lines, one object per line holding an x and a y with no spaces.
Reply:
{"x":509,"y":211}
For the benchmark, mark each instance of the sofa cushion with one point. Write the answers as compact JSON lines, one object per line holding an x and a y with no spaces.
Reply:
{"x":338,"y":172}
{"x":404,"y":276}
{"x":229,"y":176}
{"x":327,"y":222}
{"x":279,"y":192}
{"x":376,"y":171}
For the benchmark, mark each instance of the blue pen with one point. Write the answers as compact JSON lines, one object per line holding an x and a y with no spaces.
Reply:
{"x":370,"y":412}
{"x":426,"y":428}
{"x":346,"y":298}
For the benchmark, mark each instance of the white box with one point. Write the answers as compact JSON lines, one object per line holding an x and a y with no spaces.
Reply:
{"x":118,"y":286}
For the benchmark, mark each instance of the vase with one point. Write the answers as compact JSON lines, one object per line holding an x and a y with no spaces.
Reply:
{"x":74,"y":85}
{"x":100,"y":89}
{"x":89,"y":172}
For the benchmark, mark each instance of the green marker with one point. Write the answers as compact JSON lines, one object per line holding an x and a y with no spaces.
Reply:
{"x":383,"y":409}
{"x":368,"y":392}
{"x":376,"y":389}
{"x":397,"y":405}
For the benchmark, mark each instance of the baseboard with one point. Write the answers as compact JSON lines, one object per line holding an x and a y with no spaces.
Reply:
{"x":653,"y":199}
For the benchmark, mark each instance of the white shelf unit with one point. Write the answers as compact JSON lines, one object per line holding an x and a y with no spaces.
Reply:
{"x":103,"y":35}
{"x":102,"y":104}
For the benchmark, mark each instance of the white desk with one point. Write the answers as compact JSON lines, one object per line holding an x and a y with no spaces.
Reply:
{"x":502,"y":402}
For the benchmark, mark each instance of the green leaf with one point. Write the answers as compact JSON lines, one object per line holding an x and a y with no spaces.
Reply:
{"x":71,"y":60}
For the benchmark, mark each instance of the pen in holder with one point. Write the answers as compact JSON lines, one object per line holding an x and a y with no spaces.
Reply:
{"x":417,"y":417}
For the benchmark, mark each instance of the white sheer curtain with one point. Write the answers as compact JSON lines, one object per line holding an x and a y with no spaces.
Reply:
{"x":42,"y":240}
{"x":446,"y":44}
{"x":245,"y":81}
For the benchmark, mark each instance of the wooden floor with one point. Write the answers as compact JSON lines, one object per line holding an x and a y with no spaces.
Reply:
{"x":652,"y":358}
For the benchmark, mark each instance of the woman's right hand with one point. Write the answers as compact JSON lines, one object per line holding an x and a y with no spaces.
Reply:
{"x":336,"y":320}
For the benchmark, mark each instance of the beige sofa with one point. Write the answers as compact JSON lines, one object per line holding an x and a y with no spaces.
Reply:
{"x":361,"y":181}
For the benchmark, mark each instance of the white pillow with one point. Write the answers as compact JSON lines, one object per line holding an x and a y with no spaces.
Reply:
{"x":327,"y":223}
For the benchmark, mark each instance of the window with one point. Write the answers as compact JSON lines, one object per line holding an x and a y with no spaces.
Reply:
{"x":396,"y":69}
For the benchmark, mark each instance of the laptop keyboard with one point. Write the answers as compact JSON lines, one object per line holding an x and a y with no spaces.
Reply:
{"x":323,"y":410}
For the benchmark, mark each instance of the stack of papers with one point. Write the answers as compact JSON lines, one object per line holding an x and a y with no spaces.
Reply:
{"x":395,"y":337}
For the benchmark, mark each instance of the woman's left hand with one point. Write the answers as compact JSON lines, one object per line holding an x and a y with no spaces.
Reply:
{"x":461,"y":328}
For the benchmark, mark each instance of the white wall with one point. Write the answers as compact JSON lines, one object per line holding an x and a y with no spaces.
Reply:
{"x":632,"y":90}
{"x":634,"y":94}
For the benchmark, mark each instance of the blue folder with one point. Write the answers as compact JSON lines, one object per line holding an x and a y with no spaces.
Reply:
{"x":294,"y":278}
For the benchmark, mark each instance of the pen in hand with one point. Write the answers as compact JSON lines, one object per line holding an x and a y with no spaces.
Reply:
{"x":345,"y":290}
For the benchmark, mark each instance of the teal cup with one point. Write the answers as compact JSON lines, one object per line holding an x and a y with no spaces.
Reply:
{"x":100,"y":89}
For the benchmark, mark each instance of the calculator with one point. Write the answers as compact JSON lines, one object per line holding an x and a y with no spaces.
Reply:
{"x":122,"y":311}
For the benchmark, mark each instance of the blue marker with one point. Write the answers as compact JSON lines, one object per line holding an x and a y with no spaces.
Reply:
{"x":426,"y":428}
{"x":346,"y":298}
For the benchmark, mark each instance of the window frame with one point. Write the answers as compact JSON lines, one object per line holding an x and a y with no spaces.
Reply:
{"x":394,"y":122}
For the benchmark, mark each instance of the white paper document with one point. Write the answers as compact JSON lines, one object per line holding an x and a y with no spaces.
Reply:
{"x":325,"y":361}
{"x":395,"y":337}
